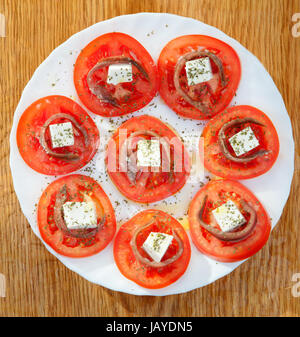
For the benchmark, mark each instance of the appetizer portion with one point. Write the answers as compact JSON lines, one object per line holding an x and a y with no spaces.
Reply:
{"x":146,"y":160}
{"x":199,"y":75}
{"x":115,"y":75}
{"x":240,"y":143}
{"x":75,"y":216}
{"x":227,"y":222}
{"x":56,"y":136}
{"x":152,"y":249}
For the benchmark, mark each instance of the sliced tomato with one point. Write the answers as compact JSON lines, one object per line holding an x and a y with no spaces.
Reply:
{"x":151,"y":186}
{"x":30,"y":128}
{"x":132,"y":268}
{"x":218,"y":164}
{"x":78,"y":186}
{"x":214,"y":96}
{"x":219,"y":192}
{"x":131,"y":96}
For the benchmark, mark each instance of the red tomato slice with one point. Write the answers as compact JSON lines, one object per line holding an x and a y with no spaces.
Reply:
{"x":29,"y":130}
{"x":218,"y":192}
{"x":152,"y":186}
{"x":77,"y":185}
{"x":218,"y":164}
{"x":210,"y":93}
{"x":131,"y":96}
{"x":133,"y":269}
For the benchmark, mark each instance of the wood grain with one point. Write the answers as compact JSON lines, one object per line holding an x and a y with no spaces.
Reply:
{"x":37,"y":284}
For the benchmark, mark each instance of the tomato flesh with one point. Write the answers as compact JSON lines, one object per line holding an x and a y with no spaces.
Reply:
{"x":218,"y":192}
{"x":218,"y":164}
{"x":159,"y":185}
{"x":210,"y":93}
{"x":131,"y":96}
{"x":77,"y":186}
{"x":29,"y":129}
{"x":133,"y":269}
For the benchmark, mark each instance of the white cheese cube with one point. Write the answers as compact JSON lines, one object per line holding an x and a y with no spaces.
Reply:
{"x":119,"y":73}
{"x":80,"y":215}
{"x":243,"y":141}
{"x":61,"y":134}
{"x":157,"y":244}
{"x":228,"y":216}
{"x":198,"y":71}
{"x":148,"y":152}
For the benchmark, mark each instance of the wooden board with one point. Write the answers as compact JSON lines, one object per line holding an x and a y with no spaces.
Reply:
{"x":37,"y":284}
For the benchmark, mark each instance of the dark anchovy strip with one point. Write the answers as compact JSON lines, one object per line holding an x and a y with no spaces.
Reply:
{"x":133,"y":172}
{"x":223,"y":145}
{"x":61,"y":198}
{"x":230,"y":236}
{"x":179,"y":65}
{"x":99,"y":90}
{"x":145,"y":260}
{"x":67,"y":155}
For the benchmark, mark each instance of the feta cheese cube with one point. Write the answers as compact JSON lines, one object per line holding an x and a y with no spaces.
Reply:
{"x":157,"y":244}
{"x":148,"y":152}
{"x":198,"y":71}
{"x":243,"y":141}
{"x":228,"y":216}
{"x":61,"y":134}
{"x":80,"y":215}
{"x":119,"y":73}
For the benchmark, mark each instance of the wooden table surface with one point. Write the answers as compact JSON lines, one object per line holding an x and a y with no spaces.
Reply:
{"x":37,"y":283}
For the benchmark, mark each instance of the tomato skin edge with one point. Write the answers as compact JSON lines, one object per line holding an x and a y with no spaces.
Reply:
{"x":229,"y":260}
{"x":213,"y":43}
{"x":210,"y":165}
{"x":132,"y":124}
{"x":186,"y":254}
{"x":88,"y":99}
{"x":49,"y":239}
{"x":242,"y":255}
{"x":46,"y":164}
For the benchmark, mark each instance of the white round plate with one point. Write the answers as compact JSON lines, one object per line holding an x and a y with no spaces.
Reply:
{"x":153,"y":30}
